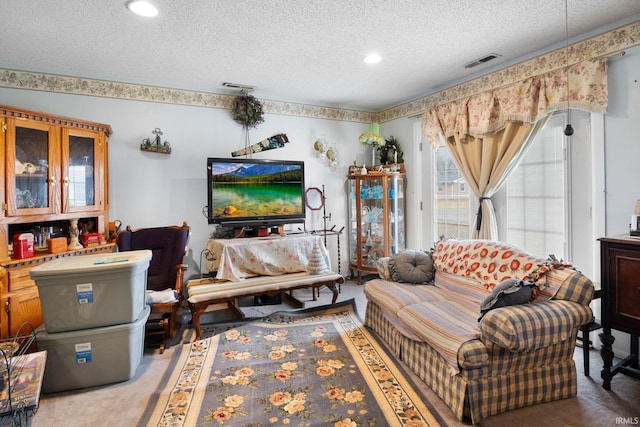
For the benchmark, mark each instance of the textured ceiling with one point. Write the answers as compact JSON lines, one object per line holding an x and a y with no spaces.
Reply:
{"x":295,"y":50}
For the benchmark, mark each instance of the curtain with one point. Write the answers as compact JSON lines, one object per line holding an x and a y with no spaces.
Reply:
{"x":487,"y":162}
{"x":488,"y":133}
{"x":526,"y":101}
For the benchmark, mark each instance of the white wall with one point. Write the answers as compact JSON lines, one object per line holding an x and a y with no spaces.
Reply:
{"x":622,"y":153}
{"x":622,"y":142}
{"x":151,"y":189}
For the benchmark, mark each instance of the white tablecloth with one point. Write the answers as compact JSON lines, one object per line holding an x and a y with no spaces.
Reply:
{"x":236,"y":259}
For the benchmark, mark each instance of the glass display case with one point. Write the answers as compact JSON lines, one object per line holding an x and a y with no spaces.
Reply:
{"x":81,"y":166}
{"x":52,"y":170}
{"x":376,"y":219}
{"x":31,"y":147}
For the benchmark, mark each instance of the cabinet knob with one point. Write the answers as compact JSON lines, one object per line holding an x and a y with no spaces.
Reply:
{"x":65,"y":180}
{"x":52,"y":180}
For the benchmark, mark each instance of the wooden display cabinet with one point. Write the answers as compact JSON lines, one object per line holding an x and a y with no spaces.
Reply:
{"x":54,"y":170}
{"x":376,"y":219}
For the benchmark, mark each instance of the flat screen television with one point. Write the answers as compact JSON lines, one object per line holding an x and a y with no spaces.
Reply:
{"x":255,"y":192}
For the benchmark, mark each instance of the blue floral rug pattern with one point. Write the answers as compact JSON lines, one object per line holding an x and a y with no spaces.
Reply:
{"x":318,"y":367}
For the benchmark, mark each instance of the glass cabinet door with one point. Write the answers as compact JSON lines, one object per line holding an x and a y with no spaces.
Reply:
{"x":372,"y":220}
{"x":366,"y":221}
{"x":396,"y":213}
{"x":353,"y":221}
{"x":31,"y":184}
{"x":80,"y":153}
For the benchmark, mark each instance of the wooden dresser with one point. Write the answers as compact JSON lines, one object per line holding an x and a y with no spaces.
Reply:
{"x":620,"y":278}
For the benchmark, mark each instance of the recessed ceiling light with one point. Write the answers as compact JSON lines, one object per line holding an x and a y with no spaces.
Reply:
{"x":142,"y":8}
{"x":374,"y":58}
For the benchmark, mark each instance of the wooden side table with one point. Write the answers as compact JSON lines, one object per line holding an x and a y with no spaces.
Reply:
{"x":620,"y":271}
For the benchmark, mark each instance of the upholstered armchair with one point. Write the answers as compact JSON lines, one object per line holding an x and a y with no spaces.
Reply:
{"x":165,"y":275}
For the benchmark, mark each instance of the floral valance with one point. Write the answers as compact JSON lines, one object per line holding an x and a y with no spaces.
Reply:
{"x":526,"y":101}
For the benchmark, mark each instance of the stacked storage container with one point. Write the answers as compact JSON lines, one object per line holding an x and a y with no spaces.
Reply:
{"x":94,"y":317}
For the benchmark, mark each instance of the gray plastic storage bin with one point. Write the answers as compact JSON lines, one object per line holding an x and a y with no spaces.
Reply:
{"x":92,"y":291}
{"x":92,"y":357}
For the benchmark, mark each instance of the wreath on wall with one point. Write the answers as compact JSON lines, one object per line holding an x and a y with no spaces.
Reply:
{"x":247,"y":111}
{"x":390,"y":152}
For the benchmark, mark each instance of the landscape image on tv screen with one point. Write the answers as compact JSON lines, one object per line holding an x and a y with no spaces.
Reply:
{"x":256,"y":189}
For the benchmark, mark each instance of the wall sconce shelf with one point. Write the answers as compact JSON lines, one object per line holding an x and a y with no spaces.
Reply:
{"x":155,"y":144}
{"x":154,"y":149}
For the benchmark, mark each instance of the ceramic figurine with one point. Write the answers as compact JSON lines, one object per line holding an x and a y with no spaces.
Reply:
{"x":74,"y":233}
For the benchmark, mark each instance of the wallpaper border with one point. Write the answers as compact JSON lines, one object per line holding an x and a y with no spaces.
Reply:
{"x":602,"y":45}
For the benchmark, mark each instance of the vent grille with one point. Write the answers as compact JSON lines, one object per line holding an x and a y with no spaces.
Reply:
{"x":238,"y":86}
{"x":482,"y":60}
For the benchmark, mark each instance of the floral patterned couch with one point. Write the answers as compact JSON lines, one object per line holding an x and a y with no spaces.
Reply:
{"x":515,"y":356}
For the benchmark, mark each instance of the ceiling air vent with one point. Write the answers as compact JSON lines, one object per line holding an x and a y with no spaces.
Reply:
{"x":238,"y":86}
{"x":482,"y":60}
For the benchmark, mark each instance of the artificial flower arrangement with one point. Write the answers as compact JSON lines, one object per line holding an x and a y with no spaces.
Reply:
{"x":390,"y":152}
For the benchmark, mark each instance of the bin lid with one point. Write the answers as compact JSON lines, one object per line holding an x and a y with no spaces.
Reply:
{"x":93,"y":333}
{"x":94,"y":263}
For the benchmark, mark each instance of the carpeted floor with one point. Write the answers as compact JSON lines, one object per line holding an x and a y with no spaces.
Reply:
{"x":122,"y":404}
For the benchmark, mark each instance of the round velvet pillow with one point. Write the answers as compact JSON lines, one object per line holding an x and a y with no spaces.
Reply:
{"x":411,"y":266}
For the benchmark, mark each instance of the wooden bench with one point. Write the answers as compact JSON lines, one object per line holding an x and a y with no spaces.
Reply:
{"x":205,"y":292}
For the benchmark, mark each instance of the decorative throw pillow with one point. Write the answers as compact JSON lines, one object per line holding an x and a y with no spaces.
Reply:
{"x":411,"y":266}
{"x":507,"y":292}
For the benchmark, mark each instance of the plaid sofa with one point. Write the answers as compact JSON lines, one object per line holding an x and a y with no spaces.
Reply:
{"x":513,"y":357}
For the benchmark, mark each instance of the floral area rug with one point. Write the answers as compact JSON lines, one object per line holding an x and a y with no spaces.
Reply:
{"x":316,"y":367}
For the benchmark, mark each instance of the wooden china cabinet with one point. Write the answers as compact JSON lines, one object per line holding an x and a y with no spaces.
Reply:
{"x":54,"y":170}
{"x":376,"y":219}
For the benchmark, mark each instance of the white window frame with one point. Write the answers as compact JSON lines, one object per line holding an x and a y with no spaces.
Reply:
{"x":559,"y":120}
{"x":473,"y":206}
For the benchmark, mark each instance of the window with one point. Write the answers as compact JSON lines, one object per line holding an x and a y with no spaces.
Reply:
{"x":537,"y":194}
{"x":452,"y":208}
